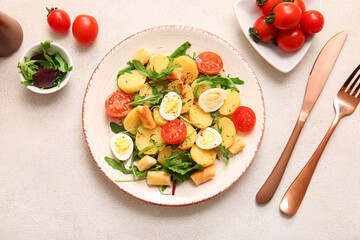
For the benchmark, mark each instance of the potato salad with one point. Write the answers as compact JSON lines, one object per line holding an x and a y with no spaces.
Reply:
{"x":175,"y":117}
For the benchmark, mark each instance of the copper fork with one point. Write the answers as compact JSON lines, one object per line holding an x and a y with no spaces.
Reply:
{"x":345,"y":104}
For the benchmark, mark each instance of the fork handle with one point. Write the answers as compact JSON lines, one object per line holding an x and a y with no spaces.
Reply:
{"x":267,"y":191}
{"x":296,"y":192}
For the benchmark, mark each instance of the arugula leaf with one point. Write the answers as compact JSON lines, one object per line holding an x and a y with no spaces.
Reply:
{"x":61,"y":63}
{"x":116,"y":128}
{"x":28,"y":68}
{"x":151,"y":73}
{"x":46,"y":45}
{"x":226,"y":154}
{"x":180,"y":165}
{"x":180,"y":51}
{"x":117,"y":165}
{"x":141,"y":152}
{"x":162,"y":189}
{"x":128,"y":69}
{"x":224,"y":81}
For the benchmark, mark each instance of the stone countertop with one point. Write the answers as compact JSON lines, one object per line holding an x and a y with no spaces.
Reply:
{"x":51,"y":188}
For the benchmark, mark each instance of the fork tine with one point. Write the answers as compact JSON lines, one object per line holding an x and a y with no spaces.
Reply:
{"x":352,"y":75}
{"x":357,"y":88}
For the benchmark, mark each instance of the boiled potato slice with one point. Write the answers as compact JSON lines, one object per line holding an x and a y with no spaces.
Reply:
{"x":202,"y":88}
{"x":190,"y":139}
{"x":145,"y":90}
{"x":186,"y":94}
{"x":232,"y":102}
{"x":132,"y":121}
{"x":142,"y":56}
{"x":158,"y":63}
{"x":144,"y":137}
{"x":165,"y":153}
{"x":200,"y":177}
{"x":190,"y":71}
{"x":158,"y":178}
{"x":228,"y":131}
{"x":202,"y":156}
{"x":159,"y":120}
{"x":131,"y":82}
{"x":199,"y":117}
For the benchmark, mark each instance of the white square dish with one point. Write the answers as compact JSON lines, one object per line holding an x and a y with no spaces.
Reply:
{"x":247,"y":13}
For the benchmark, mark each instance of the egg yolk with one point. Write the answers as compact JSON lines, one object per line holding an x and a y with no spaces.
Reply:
{"x":212,"y":99}
{"x":208,"y":137}
{"x":172,"y":105}
{"x":122,"y":145}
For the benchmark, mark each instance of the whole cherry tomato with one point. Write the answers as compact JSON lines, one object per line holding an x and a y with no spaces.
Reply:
{"x":262,"y":31}
{"x":117,"y":104}
{"x":209,"y":63}
{"x":58,"y":20}
{"x":244,"y":119}
{"x":312,"y":22}
{"x":85,"y":29}
{"x":287,"y":16}
{"x":265,"y":6}
{"x":174,"y":132}
{"x":301,"y":5}
{"x":290,"y":40}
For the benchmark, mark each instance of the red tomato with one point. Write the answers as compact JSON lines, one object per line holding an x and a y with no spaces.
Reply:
{"x":287,"y":16}
{"x":209,"y":63}
{"x":290,"y":40}
{"x":312,"y":22}
{"x":244,"y":119}
{"x":58,"y":20}
{"x":265,"y":6}
{"x":301,"y":5}
{"x":85,"y":29}
{"x":263,"y":32}
{"x":174,"y":132}
{"x":117,"y":104}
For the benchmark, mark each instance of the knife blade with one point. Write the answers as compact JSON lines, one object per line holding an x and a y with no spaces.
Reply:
{"x":319,"y":74}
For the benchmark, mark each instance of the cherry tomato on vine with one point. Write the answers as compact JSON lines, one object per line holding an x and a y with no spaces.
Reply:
{"x":262,"y":32}
{"x":174,"y":132}
{"x":290,"y":40}
{"x":209,"y":63}
{"x":117,"y":104}
{"x":58,"y":20}
{"x":312,"y":22}
{"x":301,"y":5}
{"x":85,"y":29}
{"x":265,"y":6}
{"x":287,"y":16}
{"x":244,"y":119}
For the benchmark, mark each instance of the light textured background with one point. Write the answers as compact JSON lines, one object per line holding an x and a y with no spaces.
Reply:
{"x":51,"y":188}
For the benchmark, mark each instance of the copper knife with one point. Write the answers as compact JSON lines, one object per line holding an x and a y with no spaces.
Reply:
{"x":317,"y":79}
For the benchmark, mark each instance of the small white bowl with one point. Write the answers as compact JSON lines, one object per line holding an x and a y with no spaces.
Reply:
{"x":247,"y":14}
{"x":54,"y":47}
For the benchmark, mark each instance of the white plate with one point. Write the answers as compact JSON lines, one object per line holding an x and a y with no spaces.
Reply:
{"x":164,"y":40}
{"x":247,"y":13}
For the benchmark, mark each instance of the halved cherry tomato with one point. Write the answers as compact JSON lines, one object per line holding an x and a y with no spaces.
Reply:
{"x":291,"y":40}
{"x":58,"y":20}
{"x":117,"y":104}
{"x":262,"y":31}
{"x":244,"y":119}
{"x":265,"y":6}
{"x":174,"y":132}
{"x":209,"y":63}
{"x":287,"y":15}
{"x":312,"y":22}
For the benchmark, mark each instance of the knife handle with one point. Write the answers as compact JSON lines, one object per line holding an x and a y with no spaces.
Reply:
{"x":267,"y":191}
